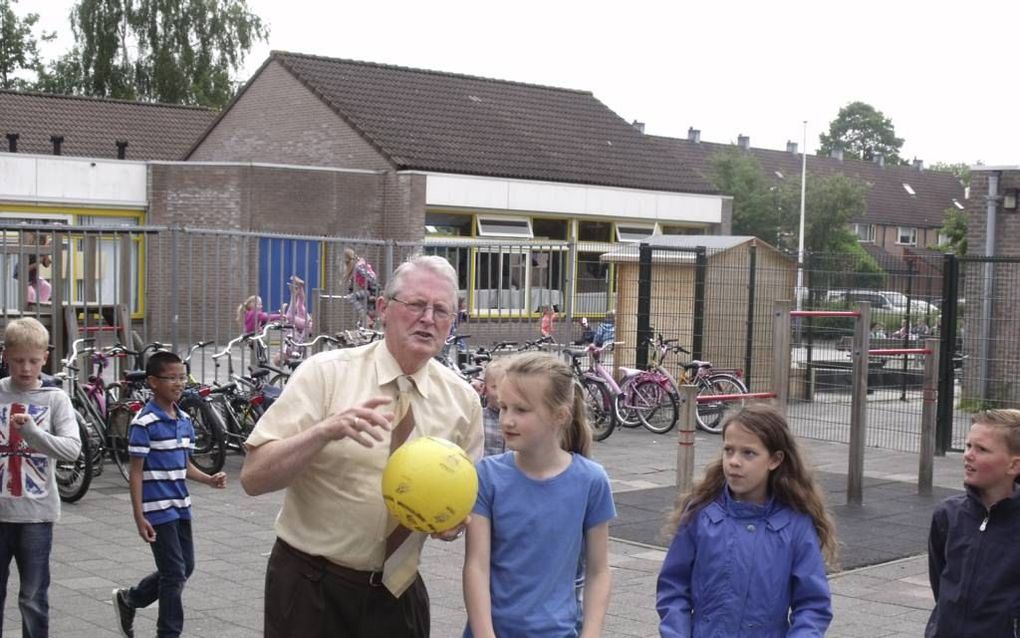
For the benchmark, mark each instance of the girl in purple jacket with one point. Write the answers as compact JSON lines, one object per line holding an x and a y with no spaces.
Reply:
{"x":751,"y":541}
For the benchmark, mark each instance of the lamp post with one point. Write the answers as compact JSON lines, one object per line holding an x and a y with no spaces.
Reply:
{"x":800,"y":244}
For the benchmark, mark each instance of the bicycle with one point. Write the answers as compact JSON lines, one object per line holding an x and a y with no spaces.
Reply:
{"x":102,"y":435}
{"x":209,"y":452}
{"x":709,"y":380}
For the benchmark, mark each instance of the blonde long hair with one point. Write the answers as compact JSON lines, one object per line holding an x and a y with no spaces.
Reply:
{"x":249,"y":303}
{"x":791,"y":483}
{"x":561,"y":392}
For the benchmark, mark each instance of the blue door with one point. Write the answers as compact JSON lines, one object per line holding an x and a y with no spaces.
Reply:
{"x":281,"y":258}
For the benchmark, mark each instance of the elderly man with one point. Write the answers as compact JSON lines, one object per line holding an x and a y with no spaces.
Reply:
{"x":341,"y":565}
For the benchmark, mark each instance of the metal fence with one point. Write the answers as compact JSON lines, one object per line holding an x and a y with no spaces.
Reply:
{"x":183,"y":285}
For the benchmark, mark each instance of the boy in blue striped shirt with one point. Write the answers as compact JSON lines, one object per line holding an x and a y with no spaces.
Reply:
{"x":160,"y":442}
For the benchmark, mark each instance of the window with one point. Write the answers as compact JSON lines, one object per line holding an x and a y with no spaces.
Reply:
{"x":505,"y":227}
{"x":448,"y":225}
{"x":907,"y":236}
{"x":550,"y":228}
{"x":910,"y":190}
{"x":668,"y":229}
{"x":865,"y":232}
{"x":633,"y":233}
{"x":957,"y":203}
{"x":595,"y":231}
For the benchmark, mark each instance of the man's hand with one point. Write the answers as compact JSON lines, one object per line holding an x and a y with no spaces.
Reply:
{"x":145,"y":530}
{"x":362,"y":423}
{"x":453,"y":534}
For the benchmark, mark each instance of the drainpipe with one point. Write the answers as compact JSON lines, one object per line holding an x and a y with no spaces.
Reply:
{"x":989,"y":284}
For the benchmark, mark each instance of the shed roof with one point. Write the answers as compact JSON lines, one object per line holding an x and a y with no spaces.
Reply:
{"x":681,"y":248}
{"x":91,"y":127}
{"x":461,"y":124}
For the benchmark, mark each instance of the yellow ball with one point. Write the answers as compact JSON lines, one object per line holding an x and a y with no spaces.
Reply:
{"x":430,"y":485}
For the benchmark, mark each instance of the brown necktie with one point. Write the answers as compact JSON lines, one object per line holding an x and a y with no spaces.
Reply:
{"x":402,"y":547}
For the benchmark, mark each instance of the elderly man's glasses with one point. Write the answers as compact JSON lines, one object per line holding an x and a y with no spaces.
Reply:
{"x":439,"y":312}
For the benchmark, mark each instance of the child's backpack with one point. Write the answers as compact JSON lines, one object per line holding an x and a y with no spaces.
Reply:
{"x":365,"y":278}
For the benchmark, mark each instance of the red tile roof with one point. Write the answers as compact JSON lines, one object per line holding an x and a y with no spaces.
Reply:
{"x":91,"y":126}
{"x":443,"y":122}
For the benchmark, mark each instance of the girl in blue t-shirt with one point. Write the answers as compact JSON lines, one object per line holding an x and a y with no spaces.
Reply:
{"x":748,"y":557}
{"x":543,"y":507}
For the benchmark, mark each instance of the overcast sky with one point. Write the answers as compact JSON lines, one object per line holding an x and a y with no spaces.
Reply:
{"x":945,"y":73}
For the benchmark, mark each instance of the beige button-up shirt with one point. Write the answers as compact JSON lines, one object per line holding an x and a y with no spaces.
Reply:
{"x":334,"y":508}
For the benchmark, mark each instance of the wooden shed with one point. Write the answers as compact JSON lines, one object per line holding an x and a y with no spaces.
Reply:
{"x":744,"y":277}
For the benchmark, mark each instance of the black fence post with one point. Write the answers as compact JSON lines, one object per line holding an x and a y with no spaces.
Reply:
{"x":947,"y":354}
{"x":644,"y":304}
{"x":700,"y":271}
{"x":749,"y":344}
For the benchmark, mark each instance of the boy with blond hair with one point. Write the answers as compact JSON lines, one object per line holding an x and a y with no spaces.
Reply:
{"x":973,"y":562}
{"x":494,"y":373}
{"x":37,"y":428}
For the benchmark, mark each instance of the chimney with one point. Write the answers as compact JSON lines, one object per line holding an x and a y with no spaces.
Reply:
{"x":693,"y":135}
{"x":12,"y":142}
{"x":57,"y":140}
{"x":744,"y":141}
{"x":791,"y":147}
{"x":918,"y":164}
{"x":640,"y":126}
{"x":121,"y":149}
{"x":836,"y":153}
{"x":879,"y":159}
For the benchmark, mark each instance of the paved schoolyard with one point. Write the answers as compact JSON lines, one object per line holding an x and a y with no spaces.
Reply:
{"x":96,"y":548}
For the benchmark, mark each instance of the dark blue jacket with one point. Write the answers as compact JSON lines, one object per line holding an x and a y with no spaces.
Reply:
{"x":974,"y":567}
{"x":740,"y":570}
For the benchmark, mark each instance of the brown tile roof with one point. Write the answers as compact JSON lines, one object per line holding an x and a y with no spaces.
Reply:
{"x":435,"y":121}
{"x":91,"y":126}
{"x":889,"y":203}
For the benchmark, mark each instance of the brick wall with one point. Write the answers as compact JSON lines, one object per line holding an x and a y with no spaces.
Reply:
{"x":1004,"y":335}
{"x":212,"y":273}
{"x":278,"y":120}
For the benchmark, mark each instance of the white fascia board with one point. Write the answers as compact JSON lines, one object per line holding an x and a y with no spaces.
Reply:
{"x":530,"y":196}
{"x":73,"y":180}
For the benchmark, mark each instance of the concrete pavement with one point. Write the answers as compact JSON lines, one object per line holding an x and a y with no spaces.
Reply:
{"x":96,"y":549}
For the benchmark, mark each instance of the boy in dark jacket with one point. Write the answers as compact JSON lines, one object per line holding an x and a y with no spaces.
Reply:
{"x":973,"y":562}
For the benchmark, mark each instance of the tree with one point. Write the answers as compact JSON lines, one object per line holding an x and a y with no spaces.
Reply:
{"x":770,"y":209}
{"x":18,"y":46}
{"x":173,"y":51}
{"x":830,"y":202}
{"x":756,"y":209}
{"x":961,"y":170}
{"x":955,"y":229}
{"x":862,"y":132}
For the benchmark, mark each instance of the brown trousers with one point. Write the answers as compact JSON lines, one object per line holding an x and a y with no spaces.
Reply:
{"x":309,"y":597}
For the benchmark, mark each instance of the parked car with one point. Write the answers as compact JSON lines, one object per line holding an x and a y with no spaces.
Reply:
{"x":886,"y":300}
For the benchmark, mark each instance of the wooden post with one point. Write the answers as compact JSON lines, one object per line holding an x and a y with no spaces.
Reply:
{"x":929,"y":410}
{"x":858,"y":405}
{"x":781,"y":352}
{"x":685,"y":428}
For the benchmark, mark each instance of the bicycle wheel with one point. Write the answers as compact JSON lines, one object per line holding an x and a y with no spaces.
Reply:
{"x":598,"y":409}
{"x":710,"y":413}
{"x":624,"y":411}
{"x":656,"y":407}
{"x":118,"y":422}
{"x":74,"y":477}
{"x":210,"y":451}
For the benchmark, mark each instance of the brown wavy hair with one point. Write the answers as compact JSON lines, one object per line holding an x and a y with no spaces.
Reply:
{"x":561,"y":392}
{"x":791,"y":483}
